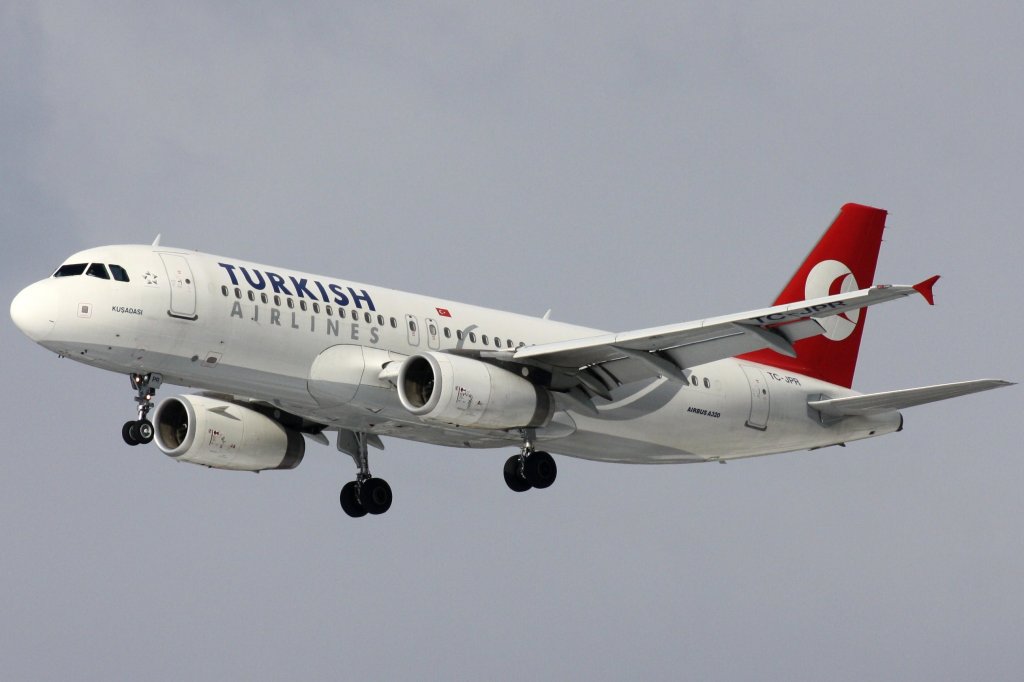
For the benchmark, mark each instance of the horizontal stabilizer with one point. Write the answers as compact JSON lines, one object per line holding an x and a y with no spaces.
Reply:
{"x":887,"y":401}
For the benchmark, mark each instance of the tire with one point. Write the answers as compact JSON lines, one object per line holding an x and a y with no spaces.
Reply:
{"x":350,"y":500}
{"x":144,"y":430}
{"x":540,"y":469}
{"x":513,"y":480}
{"x":126,"y":433}
{"x":376,"y":496}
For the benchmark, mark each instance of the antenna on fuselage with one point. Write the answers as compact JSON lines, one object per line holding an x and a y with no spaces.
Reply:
{"x":156,"y":242}
{"x":547,"y":315}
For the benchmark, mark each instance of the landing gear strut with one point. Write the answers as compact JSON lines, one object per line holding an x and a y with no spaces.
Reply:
{"x":530,"y":468}
{"x":366,"y":494}
{"x":140,"y":431}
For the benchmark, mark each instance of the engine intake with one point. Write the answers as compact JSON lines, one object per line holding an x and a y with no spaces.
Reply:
{"x":452,"y":389}
{"x":223,"y":435}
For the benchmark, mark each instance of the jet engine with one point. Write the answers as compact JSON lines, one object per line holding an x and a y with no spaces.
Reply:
{"x":451,"y":389}
{"x":223,"y":435}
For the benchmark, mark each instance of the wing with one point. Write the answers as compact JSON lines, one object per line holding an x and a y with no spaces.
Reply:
{"x":602,"y":362}
{"x":887,"y":401}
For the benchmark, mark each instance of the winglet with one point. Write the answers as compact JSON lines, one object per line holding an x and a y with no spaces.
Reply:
{"x":925,"y":289}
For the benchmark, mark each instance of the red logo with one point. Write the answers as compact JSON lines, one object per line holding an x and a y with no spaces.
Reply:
{"x":443,"y":312}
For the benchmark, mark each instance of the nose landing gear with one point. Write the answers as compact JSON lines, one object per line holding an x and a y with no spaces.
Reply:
{"x":140,"y":431}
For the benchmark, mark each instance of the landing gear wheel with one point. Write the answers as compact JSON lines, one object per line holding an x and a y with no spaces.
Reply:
{"x":375,"y":495}
{"x":143,"y":430}
{"x":126,"y":433}
{"x":513,"y":480}
{"x":350,"y":500}
{"x":540,"y":469}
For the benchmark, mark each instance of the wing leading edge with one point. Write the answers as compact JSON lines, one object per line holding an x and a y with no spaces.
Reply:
{"x":667,"y":351}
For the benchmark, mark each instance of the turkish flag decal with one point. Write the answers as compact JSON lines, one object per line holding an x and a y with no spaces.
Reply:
{"x":443,"y":312}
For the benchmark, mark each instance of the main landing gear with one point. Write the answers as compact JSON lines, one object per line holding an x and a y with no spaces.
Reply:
{"x":530,"y":468}
{"x":366,"y":494}
{"x":140,"y":431}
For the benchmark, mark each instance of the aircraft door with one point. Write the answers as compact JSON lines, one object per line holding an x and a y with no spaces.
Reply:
{"x":412,"y":327}
{"x":183,"y":288}
{"x":433,"y":337}
{"x":760,"y":398}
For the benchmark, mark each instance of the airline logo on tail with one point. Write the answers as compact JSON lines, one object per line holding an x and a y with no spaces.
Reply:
{"x":828,"y":278}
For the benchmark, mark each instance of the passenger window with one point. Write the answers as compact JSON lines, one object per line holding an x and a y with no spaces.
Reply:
{"x":224,"y":290}
{"x":119,"y":273}
{"x":707,"y":382}
{"x":302,"y":305}
{"x":316,"y":307}
{"x":264,"y":298}
{"x":484,"y":339}
{"x":277,"y":300}
{"x":238,"y":293}
{"x":433,"y":330}
{"x":394,"y":323}
{"x":97,"y":270}
{"x":341,"y":313}
{"x":508,"y":343}
{"x":472,"y":337}
{"x":380,"y":320}
{"x":447,"y":333}
{"x":693,"y":380}
{"x":366,"y":316}
{"x":70,"y":270}
{"x":458,"y":334}
{"x":291,"y":302}
{"x":412,"y":326}
{"x":252,"y":295}
{"x":330,"y":310}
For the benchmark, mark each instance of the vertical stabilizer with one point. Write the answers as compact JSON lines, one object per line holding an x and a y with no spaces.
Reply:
{"x":843,"y":260}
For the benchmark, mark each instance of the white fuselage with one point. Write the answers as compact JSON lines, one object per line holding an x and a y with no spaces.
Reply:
{"x":256,"y":332}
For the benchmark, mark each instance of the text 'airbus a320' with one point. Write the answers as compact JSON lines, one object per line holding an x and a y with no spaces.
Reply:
{"x":281,"y":355}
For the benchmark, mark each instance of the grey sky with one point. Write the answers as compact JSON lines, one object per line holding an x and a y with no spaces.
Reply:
{"x":626,"y":165}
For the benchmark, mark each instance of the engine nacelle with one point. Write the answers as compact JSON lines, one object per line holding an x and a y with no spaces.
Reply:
{"x":223,"y":435}
{"x":452,"y":389}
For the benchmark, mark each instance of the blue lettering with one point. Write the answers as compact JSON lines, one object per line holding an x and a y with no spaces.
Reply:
{"x":260,"y":285}
{"x":323,"y":292}
{"x":277,"y":282}
{"x":231,"y":272}
{"x":300,"y":286}
{"x":361,"y":296}
{"x":339,"y":296}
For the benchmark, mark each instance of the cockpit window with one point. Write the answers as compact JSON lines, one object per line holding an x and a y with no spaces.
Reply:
{"x":119,"y":273}
{"x":70,"y":270}
{"x":98,"y":270}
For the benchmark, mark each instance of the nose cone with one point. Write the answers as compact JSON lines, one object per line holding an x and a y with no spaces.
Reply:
{"x":34,"y":310}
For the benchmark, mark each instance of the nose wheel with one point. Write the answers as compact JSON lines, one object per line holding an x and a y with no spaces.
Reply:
{"x":366,"y":494}
{"x":140,"y":431}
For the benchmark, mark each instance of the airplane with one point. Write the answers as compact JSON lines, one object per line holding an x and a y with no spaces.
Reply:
{"x":280,"y":355}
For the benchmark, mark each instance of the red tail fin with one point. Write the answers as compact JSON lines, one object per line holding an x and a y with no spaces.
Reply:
{"x":844,"y":260}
